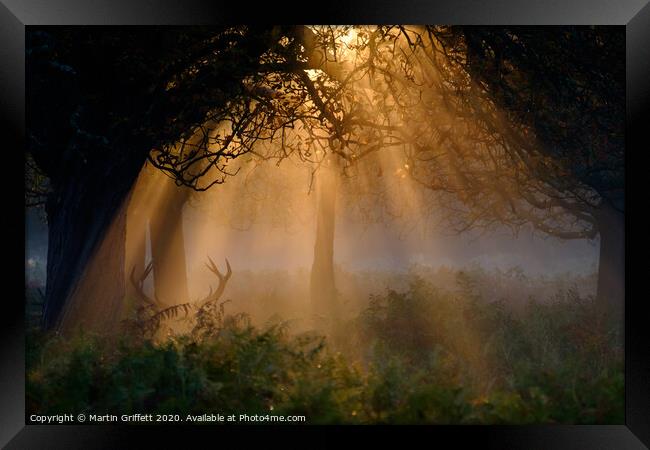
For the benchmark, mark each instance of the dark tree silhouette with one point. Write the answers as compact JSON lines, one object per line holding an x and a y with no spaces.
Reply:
{"x":99,"y":100}
{"x":568,"y":86}
{"x":553,"y":101}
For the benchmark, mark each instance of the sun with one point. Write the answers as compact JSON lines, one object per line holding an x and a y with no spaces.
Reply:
{"x":348,"y":38}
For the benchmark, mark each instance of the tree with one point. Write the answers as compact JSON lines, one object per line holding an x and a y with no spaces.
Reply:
{"x":570,"y":91}
{"x":518,"y":127}
{"x":558,"y":99}
{"x":145,"y":95}
{"x":117,"y":96}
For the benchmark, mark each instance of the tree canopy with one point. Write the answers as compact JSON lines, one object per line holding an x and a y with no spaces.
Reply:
{"x":512,"y":126}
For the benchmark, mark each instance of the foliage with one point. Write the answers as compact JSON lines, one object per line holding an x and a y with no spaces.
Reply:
{"x":550,"y":361}
{"x":423,"y":355}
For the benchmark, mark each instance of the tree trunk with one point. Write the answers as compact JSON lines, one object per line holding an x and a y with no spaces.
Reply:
{"x":610,"y":295}
{"x":324,"y":300}
{"x":86,"y":222}
{"x":136,"y":231}
{"x":96,"y":301}
{"x":168,"y":243}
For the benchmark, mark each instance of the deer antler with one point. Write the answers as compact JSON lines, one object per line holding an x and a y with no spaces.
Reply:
{"x":138,"y":285}
{"x":223,"y":280}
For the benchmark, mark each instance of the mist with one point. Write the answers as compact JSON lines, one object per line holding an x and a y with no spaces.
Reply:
{"x":268,"y":239}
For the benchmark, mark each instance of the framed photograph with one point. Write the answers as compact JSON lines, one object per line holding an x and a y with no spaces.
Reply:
{"x":369,"y":221}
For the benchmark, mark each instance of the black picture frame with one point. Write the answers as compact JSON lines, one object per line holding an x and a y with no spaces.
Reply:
{"x":16,"y":15}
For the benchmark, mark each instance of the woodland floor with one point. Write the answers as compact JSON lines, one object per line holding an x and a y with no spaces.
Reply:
{"x":418,"y":355}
